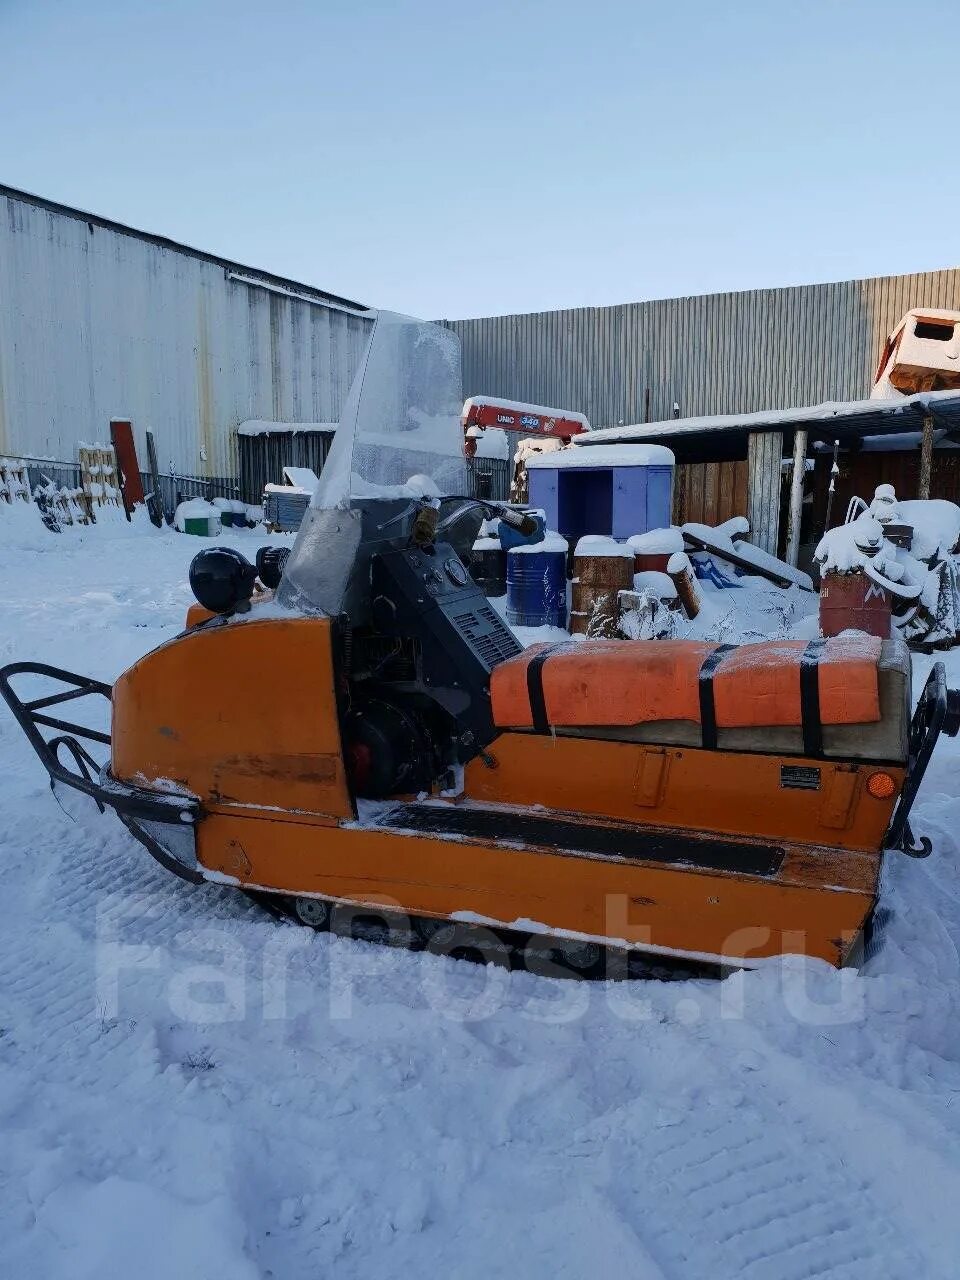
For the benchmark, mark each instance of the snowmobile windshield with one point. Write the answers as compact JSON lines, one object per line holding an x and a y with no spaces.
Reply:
{"x":399,"y":440}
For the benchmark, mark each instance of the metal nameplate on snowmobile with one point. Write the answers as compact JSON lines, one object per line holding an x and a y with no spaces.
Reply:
{"x":800,"y":777}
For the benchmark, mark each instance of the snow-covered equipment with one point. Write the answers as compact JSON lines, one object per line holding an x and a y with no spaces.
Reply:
{"x":727,"y":542}
{"x":284,"y":505}
{"x":896,"y":555}
{"x":233,"y":513}
{"x":482,"y":412}
{"x":371,"y":748}
{"x":199,"y":517}
{"x":922,"y":354}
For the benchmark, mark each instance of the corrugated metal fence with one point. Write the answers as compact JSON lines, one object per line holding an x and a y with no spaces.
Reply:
{"x":719,"y":353}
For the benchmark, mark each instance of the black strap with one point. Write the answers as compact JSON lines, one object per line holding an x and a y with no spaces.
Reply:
{"x":810,"y":698}
{"x":708,"y":710}
{"x":538,"y":705}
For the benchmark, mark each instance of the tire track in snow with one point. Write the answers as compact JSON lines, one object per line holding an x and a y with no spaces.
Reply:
{"x":744,"y":1198}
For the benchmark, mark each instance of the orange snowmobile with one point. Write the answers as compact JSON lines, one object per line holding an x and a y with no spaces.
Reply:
{"x":367,"y":741}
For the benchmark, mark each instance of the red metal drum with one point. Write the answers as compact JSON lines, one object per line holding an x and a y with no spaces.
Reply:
{"x":647,"y":563}
{"x":852,"y":601}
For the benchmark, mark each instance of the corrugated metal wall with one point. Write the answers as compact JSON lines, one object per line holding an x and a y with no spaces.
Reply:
{"x":99,"y":322}
{"x":262,"y":458}
{"x":720,"y":353}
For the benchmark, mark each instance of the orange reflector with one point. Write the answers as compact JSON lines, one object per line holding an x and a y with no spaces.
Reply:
{"x":881,"y":786}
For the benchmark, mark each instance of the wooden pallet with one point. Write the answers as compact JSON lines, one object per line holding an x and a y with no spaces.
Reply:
{"x":14,"y":483}
{"x":98,"y":475}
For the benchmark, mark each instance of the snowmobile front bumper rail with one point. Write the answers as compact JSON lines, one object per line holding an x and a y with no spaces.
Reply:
{"x":937,"y":711}
{"x":67,"y":758}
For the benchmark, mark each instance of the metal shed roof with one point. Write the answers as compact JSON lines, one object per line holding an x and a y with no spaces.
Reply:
{"x":725,"y":435}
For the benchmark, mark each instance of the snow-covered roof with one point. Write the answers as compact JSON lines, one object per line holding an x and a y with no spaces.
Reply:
{"x":623,"y":455}
{"x":260,"y":427}
{"x":876,"y":417}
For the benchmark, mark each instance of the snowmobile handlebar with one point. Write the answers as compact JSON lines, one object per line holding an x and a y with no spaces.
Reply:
{"x":522,"y":521}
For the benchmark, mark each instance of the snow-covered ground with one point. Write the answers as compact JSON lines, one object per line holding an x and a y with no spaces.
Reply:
{"x":189,"y":1090}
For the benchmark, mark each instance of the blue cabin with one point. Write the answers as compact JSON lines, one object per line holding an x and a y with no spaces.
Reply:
{"x":612,"y":489}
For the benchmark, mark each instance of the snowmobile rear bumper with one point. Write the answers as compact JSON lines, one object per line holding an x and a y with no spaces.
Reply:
{"x":937,"y":711}
{"x":165,"y":822}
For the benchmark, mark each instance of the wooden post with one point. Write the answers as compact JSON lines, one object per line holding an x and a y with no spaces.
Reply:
{"x":764,"y":455}
{"x":680,"y":571}
{"x":796,"y":495}
{"x":155,"y":501}
{"x":926,"y":457}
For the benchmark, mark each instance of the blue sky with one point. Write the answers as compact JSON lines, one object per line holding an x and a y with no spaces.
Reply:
{"x":454,"y":159}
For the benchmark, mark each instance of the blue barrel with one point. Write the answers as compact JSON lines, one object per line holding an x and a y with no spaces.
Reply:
{"x":510,"y":537}
{"x":537,"y":585}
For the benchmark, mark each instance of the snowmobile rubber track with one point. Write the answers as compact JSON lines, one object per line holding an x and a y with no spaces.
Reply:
{"x":540,"y":954}
{"x":713,"y":853}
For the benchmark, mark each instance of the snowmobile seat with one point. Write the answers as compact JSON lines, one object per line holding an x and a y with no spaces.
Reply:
{"x":846,"y":698}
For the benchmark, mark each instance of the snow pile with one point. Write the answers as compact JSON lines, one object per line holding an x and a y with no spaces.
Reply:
{"x":936,"y":527}
{"x":660,"y":584}
{"x":597,"y":545}
{"x":849,"y":547}
{"x":731,"y":536}
{"x":528,"y":448}
{"x":233,"y":505}
{"x":197,"y":509}
{"x":551,"y":542}
{"x":657,"y":542}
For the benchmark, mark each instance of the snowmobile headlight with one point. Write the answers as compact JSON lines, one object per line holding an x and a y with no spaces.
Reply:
{"x":222,"y":579}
